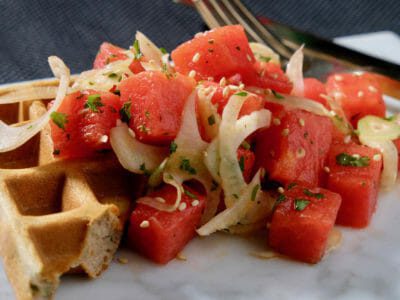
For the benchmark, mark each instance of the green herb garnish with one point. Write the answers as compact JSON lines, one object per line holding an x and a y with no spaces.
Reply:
{"x":144,"y":170}
{"x":172,"y":147}
{"x":391,"y":118}
{"x":245,"y":145}
{"x":211,"y":120}
{"x":264,"y":58}
{"x":138,"y":53}
{"x":125,"y":112}
{"x":163,"y":50}
{"x":60,"y":119}
{"x":241,"y":94}
{"x":254,"y":192}
{"x":185,"y":165}
{"x":93,"y":103}
{"x":300,"y":204}
{"x":241,"y":163}
{"x":281,"y":198}
{"x":188,"y":193}
{"x":345,"y":159}
{"x":277,"y":95}
{"x":308,"y":193}
{"x":291,"y":185}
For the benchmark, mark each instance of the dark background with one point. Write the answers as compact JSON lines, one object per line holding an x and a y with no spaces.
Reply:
{"x":31,"y":30}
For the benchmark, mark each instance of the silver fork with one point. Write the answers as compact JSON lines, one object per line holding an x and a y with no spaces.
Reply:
{"x":321,"y":57}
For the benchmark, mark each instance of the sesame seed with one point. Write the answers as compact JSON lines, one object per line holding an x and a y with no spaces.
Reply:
{"x":347,"y":139}
{"x":222,"y":82}
{"x":192,"y":73}
{"x":281,"y":190}
{"x":372,"y":89}
{"x":144,"y":224}
{"x":301,"y":153}
{"x":159,"y":199}
{"x":285,"y":132}
{"x":356,"y":156}
{"x":326,"y":169}
{"x":130,"y":131}
{"x":196,"y":57}
{"x":195,"y":202}
{"x":338,"y":78}
{"x":233,"y":87}
{"x":103,"y":139}
{"x":225,"y":91}
{"x":377,"y":157}
{"x":181,"y":256}
{"x":276,"y":121}
{"x":332,"y":113}
{"x":248,"y":57}
{"x":241,"y":86}
{"x":360,"y":94}
{"x":122,"y":260}
{"x":182,"y":206}
{"x":302,"y":122}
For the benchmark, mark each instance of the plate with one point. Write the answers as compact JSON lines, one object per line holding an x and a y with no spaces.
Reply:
{"x":366,"y":265}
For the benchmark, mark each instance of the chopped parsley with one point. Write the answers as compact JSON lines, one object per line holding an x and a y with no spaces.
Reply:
{"x":115,"y":76}
{"x":172,"y":147}
{"x":254,"y":192}
{"x":138,"y":53}
{"x":144,"y":170}
{"x":185,"y":166}
{"x":245,"y":145}
{"x":241,"y":94}
{"x":291,"y":185}
{"x":211,"y":120}
{"x":93,"y":103}
{"x":308,"y":193}
{"x":163,"y":50}
{"x":143,"y":128}
{"x":235,"y":196}
{"x":188,"y":193}
{"x":264,"y":58}
{"x":277,"y":95}
{"x":165,"y":71}
{"x":147,"y":114}
{"x":345,"y":159}
{"x":125,"y":112}
{"x":241,"y":163}
{"x":281,"y":198}
{"x":391,"y":118}
{"x":60,"y":119}
{"x":300,"y":204}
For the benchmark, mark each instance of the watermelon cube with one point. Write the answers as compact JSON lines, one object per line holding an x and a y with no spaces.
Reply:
{"x":302,"y":222}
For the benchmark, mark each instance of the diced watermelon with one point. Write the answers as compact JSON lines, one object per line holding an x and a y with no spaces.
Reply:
{"x":86,"y":130}
{"x":358,"y":95}
{"x":358,"y":186}
{"x":108,"y":53}
{"x":294,"y":147}
{"x":313,"y":89}
{"x":246,"y":160}
{"x":397,"y":144}
{"x":221,"y":52}
{"x":167,"y":233}
{"x":270,"y":76}
{"x":301,"y":224}
{"x":157,"y":104}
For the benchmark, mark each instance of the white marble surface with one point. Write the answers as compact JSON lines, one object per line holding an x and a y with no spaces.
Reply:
{"x":366,"y":266}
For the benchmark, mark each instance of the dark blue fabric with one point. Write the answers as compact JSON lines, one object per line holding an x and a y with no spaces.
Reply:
{"x":31,"y":30}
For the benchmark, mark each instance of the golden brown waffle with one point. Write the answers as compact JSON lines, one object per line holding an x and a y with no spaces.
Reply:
{"x":57,"y":216}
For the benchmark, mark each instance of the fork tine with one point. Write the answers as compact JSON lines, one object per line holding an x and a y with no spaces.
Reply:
{"x":267,"y":37}
{"x":207,"y":15}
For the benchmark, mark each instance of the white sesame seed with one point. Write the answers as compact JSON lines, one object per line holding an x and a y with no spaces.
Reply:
{"x":144,"y":224}
{"x":130,"y":131}
{"x":222,"y":82}
{"x":300,"y":153}
{"x":377,"y":157}
{"x":195,"y":202}
{"x":103,"y":139}
{"x":332,"y":113}
{"x":372,"y":89}
{"x":182,"y":206}
{"x":302,"y":122}
{"x":248,"y":57}
{"x":181,"y":256}
{"x":192,"y":73}
{"x":241,"y":86}
{"x":196,"y":57}
{"x":159,"y":199}
{"x":356,"y":156}
{"x":281,"y":190}
{"x":276,"y":121}
{"x":338,"y":78}
{"x":360,"y":94}
{"x":233,"y":87}
{"x":326,"y":169}
{"x":347,"y":139}
{"x":285,"y":132}
{"x":225,"y":91}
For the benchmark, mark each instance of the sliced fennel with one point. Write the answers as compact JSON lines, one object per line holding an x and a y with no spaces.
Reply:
{"x":294,"y":72}
{"x":264,"y":53}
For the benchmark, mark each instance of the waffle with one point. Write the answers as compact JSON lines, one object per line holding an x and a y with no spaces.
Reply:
{"x":57,"y":216}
